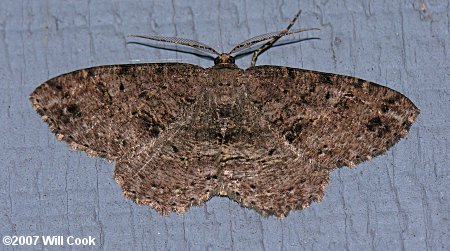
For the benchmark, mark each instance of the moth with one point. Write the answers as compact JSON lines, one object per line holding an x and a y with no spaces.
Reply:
{"x":266,"y":137}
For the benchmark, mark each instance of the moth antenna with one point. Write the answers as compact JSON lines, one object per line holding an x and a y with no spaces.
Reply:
{"x":254,"y":40}
{"x":275,"y":38}
{"x":182,"y":41}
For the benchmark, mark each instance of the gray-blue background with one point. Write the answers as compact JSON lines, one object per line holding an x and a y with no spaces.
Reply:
{"x":397,"y":201}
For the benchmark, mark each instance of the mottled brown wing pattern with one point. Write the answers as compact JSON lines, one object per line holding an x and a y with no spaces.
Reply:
{"x":108,"y":110}
{"x":266,"y":137}
{"x":260,"y":170}
{"x":308,"y":123}
{"x":332,"y":119}
{"x":179,"y":169}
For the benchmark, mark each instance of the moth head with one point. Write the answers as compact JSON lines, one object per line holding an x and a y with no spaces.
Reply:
{"x":224,"y":58}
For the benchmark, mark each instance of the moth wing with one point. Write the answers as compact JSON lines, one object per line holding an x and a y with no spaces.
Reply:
{"x":179,"y":169}
{"x":259,"y":170}
{"x":109,"y":110}
{"x":333,"y":119}
{"x":322,"y":121}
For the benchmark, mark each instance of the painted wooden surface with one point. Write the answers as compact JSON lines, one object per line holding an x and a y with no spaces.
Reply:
{"x":397,"y":201}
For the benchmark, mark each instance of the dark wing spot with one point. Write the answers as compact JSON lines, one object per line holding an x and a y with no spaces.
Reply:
{"x":124,"y":70}
{"x":54,"y":84}
{"x":144,"y":95}
{"x":73,"y":108}
{"x":158,"y":70}
{"x":359,"y":83}
{"x":289,"y":137}
{"x":91,"y":72}
{"x":154,"y":132}
{"x":325,"y":78}
{"x":392,"y":100}
{"x":190,"y":100}
{"x":373,"y":124}
{"x":297,"y":128}
{"x":271,"y":151}
{"x":209,"y":177}
{"x":121,"y":87}
{"x":291,"y":73}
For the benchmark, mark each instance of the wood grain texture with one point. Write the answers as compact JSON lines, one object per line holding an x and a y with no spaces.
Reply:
{"x":395,"y":201}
